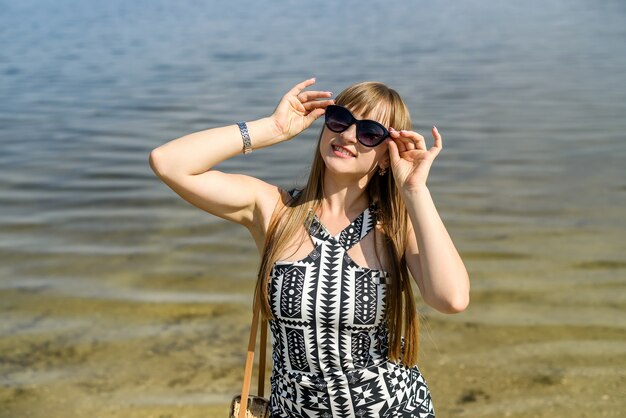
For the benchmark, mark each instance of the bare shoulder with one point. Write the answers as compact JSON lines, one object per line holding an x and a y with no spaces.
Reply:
{"x":271,"y":199}
{"x":271,"y":202}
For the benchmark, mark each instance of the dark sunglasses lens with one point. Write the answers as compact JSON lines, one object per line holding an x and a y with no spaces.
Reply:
{"x":338,"y":119}
{"x":370,"y":134}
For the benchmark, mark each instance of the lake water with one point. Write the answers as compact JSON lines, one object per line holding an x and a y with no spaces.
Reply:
{"x":118,"y":298}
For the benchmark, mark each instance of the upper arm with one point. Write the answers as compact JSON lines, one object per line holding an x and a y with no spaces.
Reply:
{"x":238,"y":198}
{"x":412,"y":258}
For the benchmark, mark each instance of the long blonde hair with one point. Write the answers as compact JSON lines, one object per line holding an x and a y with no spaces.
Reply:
{"x":374,"y":100}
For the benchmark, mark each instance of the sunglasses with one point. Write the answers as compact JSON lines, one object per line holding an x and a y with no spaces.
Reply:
{"x":368,"y":132}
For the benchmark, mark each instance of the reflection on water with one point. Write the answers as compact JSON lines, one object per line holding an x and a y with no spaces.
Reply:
{"x":119,"y":297}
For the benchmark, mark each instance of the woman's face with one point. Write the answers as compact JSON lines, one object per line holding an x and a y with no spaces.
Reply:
{"x":344,"y":154}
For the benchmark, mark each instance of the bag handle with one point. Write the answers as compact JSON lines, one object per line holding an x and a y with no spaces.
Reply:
{"x":245,"y":389}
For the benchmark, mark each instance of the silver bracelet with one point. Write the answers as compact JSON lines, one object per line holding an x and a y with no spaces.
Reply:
{"x":245,"y":135}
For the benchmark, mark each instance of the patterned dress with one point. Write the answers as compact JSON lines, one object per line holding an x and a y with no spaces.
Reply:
{"x":329,"y":339}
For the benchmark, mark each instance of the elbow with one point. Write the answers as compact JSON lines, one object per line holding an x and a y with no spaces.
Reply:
{"x":453,"y":302}
{"x":460,"y":300}
{"x":452,"y":306}
{"x":459,"y":304}
{"x":153,"y":161}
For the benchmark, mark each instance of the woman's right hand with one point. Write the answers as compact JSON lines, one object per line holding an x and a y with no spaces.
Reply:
{"x":297,"y":110}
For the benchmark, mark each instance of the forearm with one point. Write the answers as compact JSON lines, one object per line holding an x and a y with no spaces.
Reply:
{"x":445,"y":279}
{"x":198,"y":152}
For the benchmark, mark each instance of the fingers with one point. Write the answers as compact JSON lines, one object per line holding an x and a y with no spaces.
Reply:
{"x":394,"y":153}
{"x":312,"y":116}
{"x":395,"y":135}
{"x":438,"y":142}
{"x":316,"y":109}
{"x":301,"y":86}
{"x":410,"y":140}
{"x":318,"y":104}
{"x":403,"y":142}
{"x":310,"y":99}
{"x":313,"y":95}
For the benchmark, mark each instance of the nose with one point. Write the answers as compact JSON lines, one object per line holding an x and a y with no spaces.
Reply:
{"x":349,"y":135}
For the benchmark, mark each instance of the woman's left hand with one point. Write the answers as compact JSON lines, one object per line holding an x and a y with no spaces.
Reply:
{"x":410,"y":160}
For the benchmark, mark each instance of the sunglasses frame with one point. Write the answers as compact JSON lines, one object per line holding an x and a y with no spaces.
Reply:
{"x":359,"y":123}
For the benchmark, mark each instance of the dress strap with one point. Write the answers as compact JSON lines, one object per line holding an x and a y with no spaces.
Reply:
{"x":347,"y":237}
{"x":294,"y":192}
{"x":351,"y":234}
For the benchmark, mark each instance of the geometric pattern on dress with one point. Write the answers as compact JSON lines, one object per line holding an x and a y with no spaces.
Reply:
{"x":351,"y":235}
{"x":423,"y":401}
{"x":397,"y":380}
{"x":354,"y":232}
{"x":291,"y":294}
{"x":421,"y":395}
{"x":314,"y":397}
{"x":381,"y":340}
{"x":330,"y":339}
{"x":296,"y":349}
{"x":365,"y":298}
{"x":361,"y":342}
{"x":327,"y":306}
{"x":412,"y":396}
{"x":286,"y":390}
{"x":397,"y":408}
{"x":365,"y":392}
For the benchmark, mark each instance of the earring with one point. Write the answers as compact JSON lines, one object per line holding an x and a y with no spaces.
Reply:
{"x":382,"y":171}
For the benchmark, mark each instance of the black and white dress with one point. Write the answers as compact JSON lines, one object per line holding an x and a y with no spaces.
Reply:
{"x":329,"y":339}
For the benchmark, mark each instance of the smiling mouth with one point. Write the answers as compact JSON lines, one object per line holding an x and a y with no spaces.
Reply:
{"x":343,"y":151}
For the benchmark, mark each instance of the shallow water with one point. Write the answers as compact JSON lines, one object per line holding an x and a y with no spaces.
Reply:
{"x":120,"y":299}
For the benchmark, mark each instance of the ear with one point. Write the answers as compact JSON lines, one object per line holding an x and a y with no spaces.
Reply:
{"x":384,"y":162}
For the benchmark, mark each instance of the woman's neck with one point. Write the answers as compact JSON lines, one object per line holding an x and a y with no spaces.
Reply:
{"x":344,"y":199}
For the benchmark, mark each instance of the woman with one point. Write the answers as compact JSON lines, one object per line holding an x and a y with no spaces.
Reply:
{"x":338,"y":298}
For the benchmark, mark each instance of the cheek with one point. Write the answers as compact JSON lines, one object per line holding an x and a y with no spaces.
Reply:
{"x":325,"y":140}
{"x":323,"y":145}
{"x":382,"y":152}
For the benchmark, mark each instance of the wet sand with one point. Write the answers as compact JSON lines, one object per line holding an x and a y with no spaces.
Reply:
{"x":75,"y":357}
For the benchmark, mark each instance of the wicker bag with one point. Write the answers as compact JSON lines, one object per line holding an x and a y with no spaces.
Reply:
{"x":246,"y":405}
{"x":257,"y":407}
